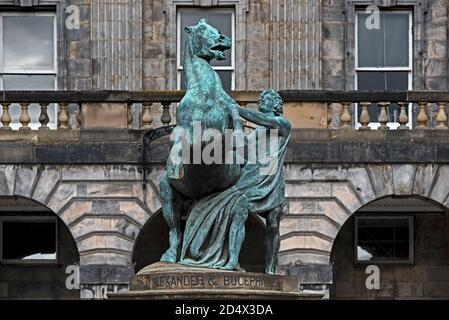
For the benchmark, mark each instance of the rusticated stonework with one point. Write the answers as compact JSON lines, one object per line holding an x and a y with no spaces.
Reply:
{"x":105,"y":206}
{"x":322,"y":198}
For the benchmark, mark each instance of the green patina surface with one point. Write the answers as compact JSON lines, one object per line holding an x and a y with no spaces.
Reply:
{"x":218,"y":198}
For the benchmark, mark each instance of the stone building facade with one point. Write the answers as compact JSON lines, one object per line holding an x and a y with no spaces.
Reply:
{"x":90,"y":178}
{"x":287,"y":45}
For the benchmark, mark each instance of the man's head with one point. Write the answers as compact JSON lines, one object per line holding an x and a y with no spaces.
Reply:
{"x":271,"y":101}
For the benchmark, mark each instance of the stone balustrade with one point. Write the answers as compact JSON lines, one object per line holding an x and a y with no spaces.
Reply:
{"x":67,"y":110}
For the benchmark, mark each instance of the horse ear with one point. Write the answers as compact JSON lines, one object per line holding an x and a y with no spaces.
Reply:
{"x":188,"y":29}
{"x":203,"y":20}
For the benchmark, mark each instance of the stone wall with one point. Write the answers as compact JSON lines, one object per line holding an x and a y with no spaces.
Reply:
{"x":104,"y":207}
{"x":154,"y":59}
{"x":304,"y":44}
{"x":322,"y":198}
{"x":430,"y":42}
{"x":426,"y":278}
{"x":92,"y":180}
{"x":76,"y":54}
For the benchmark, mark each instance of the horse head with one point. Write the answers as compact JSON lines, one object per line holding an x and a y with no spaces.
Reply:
{"x":207,"y":42}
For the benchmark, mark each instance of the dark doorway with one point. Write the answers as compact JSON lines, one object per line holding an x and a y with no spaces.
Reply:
{"x":153,"y":241}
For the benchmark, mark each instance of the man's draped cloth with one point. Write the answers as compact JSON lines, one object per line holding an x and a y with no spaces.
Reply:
{"x":208,"y":227}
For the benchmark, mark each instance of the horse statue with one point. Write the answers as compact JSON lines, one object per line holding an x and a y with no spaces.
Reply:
{"x":207,"y":104}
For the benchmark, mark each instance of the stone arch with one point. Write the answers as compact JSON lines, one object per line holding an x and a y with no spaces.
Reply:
{"x":152,"y":242}
{"x":322,"y":198}
{"x":427,"y":259}
{"x":37,"y":281}
{"x":104,"y":206}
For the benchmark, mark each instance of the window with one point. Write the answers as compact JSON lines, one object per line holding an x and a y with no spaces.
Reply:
{"x":384,"y":59}
{"x":384,"y":239}
{"x":223,"y":20}
{"x":28,"y":59}
{"x":28,"y":239}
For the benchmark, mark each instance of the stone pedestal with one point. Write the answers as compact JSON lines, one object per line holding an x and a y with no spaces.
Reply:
{"x":175,"y":281}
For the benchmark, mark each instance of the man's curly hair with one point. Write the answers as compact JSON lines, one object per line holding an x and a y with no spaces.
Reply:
{"x":278,"y":108}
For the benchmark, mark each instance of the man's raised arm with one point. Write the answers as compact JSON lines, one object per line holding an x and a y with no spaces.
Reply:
{"x":265,"y":120}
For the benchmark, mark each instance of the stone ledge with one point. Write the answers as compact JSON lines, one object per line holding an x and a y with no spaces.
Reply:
{"x":101,"y":274}
{"x":211,"y":295}
{"x":309,"y":274}
{"x":306,"y":146}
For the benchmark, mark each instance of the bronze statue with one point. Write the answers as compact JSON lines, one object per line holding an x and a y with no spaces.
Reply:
{"x":222,"y":195}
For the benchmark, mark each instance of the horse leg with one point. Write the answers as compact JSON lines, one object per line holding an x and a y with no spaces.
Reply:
{"x":172,"y":204}
{"x":175,"y":165}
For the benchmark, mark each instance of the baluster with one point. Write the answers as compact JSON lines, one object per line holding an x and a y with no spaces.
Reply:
{"x":364,"y":116}
{"x":74,"y":123}
{"x":441,"y":116}
{"x":336,"y":113}
{"x":346,"y":116}
{"x":63,"y":118}
{"x":43,"y":117}
{"x":79,"y":116}
{"x":422,"y":116}
{"x":76,"y":118}
{"x":329,"y":114}
{"x":24,"y":117}
{"x":129,"y":114}
{"x":383,"y":116}
{"x":166,"y":117}
{"x":6,"y":118}
{"x":403,"y":115}
{"x":147,"y":118}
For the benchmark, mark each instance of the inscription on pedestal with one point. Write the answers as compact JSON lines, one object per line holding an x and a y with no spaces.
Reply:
{"x":206,"y":281}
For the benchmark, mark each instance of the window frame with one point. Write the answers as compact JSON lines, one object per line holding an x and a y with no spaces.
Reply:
{"x":29,"y":219}
{"x":179,"y":66}
{"x":32,"y":72}
{"x":408,"y":218}
{"x":54,"y":71}
{"x":409,"y":69}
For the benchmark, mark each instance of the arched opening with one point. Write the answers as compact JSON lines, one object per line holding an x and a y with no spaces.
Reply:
{"x":153,"y":241}
{"x":405,"y":239}
{"x":36,"y":247}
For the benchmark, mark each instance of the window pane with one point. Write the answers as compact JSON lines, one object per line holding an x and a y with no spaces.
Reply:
{"x":382,"y":80}
{"x":387,"y":46}
{"x":371,"y":81}
{"x":383,"y":239}
{"x":29,"y":82}
{"x":396,"y":40}
{"x":370,"y":43}
{"x":225,"y":75}
{"x":29,"y":240}
{"x":28,"y":42}
{"x":397,"y":80}
{"x":226,"y":79}
{"x":220,"y":19}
